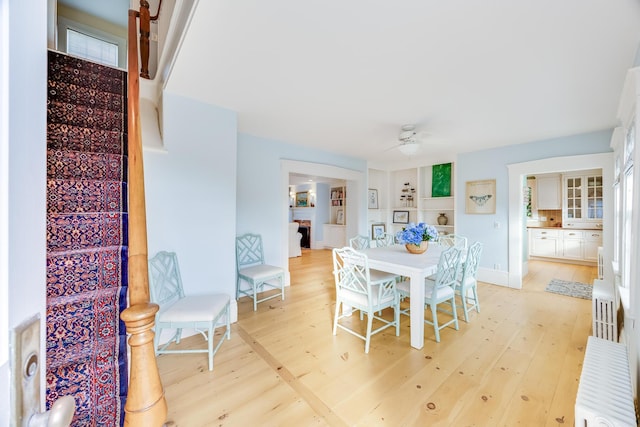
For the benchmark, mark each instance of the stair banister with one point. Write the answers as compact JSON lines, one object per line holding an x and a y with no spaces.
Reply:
{"x":146,"y":404}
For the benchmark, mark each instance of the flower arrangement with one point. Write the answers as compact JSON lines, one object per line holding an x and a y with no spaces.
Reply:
{"x":417,"y":233}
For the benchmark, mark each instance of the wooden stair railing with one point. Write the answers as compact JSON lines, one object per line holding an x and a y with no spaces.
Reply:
{"x":146,"y":404}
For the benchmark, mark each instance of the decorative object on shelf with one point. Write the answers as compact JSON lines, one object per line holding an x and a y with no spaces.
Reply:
{"x":401,"y":217}
{"x":417,"y":249}
{"x":377,"y":230}
{"x":416,"y":237}
{"x":340,"y":217}
{"x":480,"y":197}
{"x":441,"y":180}
{"x":373,"y":198}
{"x":302,"y":198}
{"x":406,"y":198}
{"x":443,"y":219}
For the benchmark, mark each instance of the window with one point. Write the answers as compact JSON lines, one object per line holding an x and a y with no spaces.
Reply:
{"x":627,"y":213}
{"x":92,"y":48}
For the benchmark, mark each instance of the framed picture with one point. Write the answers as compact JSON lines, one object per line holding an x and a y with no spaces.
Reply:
{"x":373,"y":198}
{"x":480,"y":197}
{"x":401,"y":217}
{"x":377,"y":230}
{"x":340,"y":216}
{"x":302,"y":198}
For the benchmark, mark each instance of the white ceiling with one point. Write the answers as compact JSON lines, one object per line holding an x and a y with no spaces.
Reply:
{"x":344,"y":76}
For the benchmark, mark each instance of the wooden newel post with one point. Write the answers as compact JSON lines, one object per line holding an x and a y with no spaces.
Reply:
{"x":145,"y":31}
{"x":146,"y":405}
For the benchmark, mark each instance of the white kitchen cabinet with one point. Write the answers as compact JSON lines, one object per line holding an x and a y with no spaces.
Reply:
{"x":592,"y":241}
{"x":572,"y":244}
{"x":544,"y":242}
{"x":549,"y":192}
{"x":566,"y":244}
{"x":582,"y":199}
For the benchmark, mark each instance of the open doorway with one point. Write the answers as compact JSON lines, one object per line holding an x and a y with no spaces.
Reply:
{"x":517,"y":208}
{"x":354,"y":217}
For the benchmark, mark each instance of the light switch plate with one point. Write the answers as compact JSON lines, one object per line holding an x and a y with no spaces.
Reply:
{"x":25,"y":371}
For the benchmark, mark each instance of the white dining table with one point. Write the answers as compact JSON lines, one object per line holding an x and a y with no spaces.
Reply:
{"x":397,"y":260}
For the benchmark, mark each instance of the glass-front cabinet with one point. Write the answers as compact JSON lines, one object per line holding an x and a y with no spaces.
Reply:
{"x":582,"y":201}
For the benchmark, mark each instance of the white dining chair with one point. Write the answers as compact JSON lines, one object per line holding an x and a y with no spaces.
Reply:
{"x":448,"y":240}
{"x":202,"y":312}
{"x":439,"y":290}
{"x":385,"y":239}
{"x":251,"y":268}
{"x":360,"y":242}
{"x":358,"y":288}
{"x":467,"y":286}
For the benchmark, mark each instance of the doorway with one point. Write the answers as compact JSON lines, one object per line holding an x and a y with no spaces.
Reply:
{"x":517,"y":222}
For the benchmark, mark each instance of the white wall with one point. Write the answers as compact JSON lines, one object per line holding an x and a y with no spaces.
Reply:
{"x":191,"y":192}
{"x":492,"y":164}
{"x":23,"y":41}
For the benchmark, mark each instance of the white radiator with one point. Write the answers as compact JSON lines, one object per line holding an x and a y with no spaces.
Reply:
{"x":600,"y":263}
{"x":605,"y":320}
{"x":604,"y":396}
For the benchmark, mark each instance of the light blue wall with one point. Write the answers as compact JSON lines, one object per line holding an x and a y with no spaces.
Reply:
{"x":190,"y":193}
{"x":23,"y":58}
{"x":492,"y":164}
{"x":260,"y":193}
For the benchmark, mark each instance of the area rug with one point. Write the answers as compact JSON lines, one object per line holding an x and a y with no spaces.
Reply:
{"x":570,"y":289}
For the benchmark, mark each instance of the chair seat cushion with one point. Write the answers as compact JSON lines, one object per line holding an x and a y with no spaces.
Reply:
{"x":195,"y":308}
{"x":360,"y":300}
{"x":260,"y":272}
{"x":442,"y":293}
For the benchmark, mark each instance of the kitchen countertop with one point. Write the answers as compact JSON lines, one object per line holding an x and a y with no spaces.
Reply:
{"x":563,"y":228}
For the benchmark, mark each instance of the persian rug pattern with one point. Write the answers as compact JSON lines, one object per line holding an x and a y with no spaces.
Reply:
{"x":86,"y":239}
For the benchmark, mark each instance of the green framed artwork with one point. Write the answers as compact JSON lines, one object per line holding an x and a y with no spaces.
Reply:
{"x":441,"y":180}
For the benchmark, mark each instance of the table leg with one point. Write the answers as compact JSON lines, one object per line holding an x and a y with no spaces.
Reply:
{"x":416,"y":301}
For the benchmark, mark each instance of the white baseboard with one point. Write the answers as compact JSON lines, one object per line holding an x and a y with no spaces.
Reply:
{"x":495,"y":277}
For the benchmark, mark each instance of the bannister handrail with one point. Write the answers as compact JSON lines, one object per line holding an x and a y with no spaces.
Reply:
{"x":146,"y":404}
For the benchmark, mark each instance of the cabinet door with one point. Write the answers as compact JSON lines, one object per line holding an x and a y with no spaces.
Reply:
{"x":593,"y":205}
{"x":592,"y":241}
{"x":544,"y":246}
{"x":573,"y":244}
{"x":573,"y":197}
{"x":548,"y":190}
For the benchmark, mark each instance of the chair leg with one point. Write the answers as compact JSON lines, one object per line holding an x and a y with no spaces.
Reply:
{"x":156,"y":339}
{"x":396,"y":316}
{"x":228,"y":310}
{"x":282,"y":286}
{"x":475,"y":298}
{"x":434,"y":314}
{"x":369,"y":326}
{"x":178,"y":335}
{"x":455,"y":313}
{"x":255,"y":296}
{"x":463,"y":297}
{"x":210,"y":345}
{"x":335,"y":318}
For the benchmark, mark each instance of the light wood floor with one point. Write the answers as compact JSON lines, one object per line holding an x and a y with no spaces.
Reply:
{"x":517,"y":362}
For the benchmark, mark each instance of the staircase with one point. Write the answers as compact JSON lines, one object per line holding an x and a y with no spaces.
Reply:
{"x":86,"y":239}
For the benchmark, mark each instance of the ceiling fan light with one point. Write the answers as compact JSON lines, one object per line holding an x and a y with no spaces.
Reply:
{"x":408,"y":149}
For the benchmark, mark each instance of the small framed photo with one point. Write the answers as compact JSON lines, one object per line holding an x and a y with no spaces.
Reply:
{"x":480,"y":197}
{"x":340,"y":216}
{"x":378,"y":230}
{"x":401,"y":217}
{"x":302,"y":198}
{"x":373,"y":198}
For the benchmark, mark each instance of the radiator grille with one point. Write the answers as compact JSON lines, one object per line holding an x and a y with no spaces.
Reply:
{"x":604,"y":396}
{"x":605,"y":321}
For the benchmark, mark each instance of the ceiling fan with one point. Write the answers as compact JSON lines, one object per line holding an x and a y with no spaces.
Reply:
{"x":409,"y":140}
